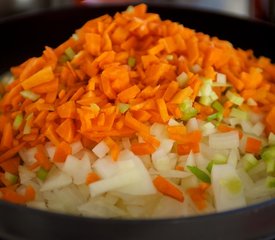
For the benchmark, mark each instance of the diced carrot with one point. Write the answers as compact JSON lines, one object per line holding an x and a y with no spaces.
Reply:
{"x":91,"y":178}
{"x":42,"y":158}
{"x":142,"y":148}
{"x":167,"y":188}
{"x":113,"y":146}
{"x":67,"y":110}
{"x":62,"y":151}
{"x":11,"y":165}
{"x":253,"y":145}
{"x":66,"y":130}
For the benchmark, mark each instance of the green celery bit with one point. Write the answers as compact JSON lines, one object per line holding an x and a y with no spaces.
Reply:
{"x":70,"y":53}
{"x":268,"y":155}
{"x":205,"y":100}
{"x":42,"y":174}
{"x":17,"y":121}
{"x":182,"y":79}
{"x":219,"y":158}
{"x":237,"y":113}
{"x":233,"y":184}
{"x":201,"y":175}
{"x":75,"y":37}
{"x":249,"y":161}
{"x":190,"y":113}
{"x":210,"y":166}
{"x":234,"y":98}
{"x":11,"y":177}
{"x":123,"y":107}
{"x":27,"y":127}
{"x":185,"y":105}
{"x":130,"y":9}
{"x":64,"y":58}
{"x":270,"y":182}
{"x":169,"y":57}
{"x":215,"y":116}
{"x":217,"y":106}
{"x":28,"y":94}
{"x":131,"y":62}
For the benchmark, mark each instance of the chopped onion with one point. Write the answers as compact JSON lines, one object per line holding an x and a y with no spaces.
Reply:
{"x":226,"y":140}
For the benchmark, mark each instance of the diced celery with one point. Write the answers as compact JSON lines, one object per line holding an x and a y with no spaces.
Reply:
{"x":221,"y":78}
{"x":70,"y":53}
{"x":130,"y":9}
{"x":123,"y":107}
{"x":270,"y":182}
{"x":131,"y":62}
{"x":251,"y":102}
{"x":201,"y":175}
{"x":169,"y":57}
{"x":11,"y":177}
{"x":63,"y":58}
{"x":249,"y":161}
{"x":17,"y":121}
{"x":210,"y":166}
{"x":182,"y":79}
{"x":217,"y":106}
{"x":205,"y":100}
{"x":185,"y":105}
{"x":219,"y":158}
{"x":213,"y":96}
{"x":233,"y":184}
{"x":271,"y":139}
{"x":234,"y":98}
{"x":42,"y":173}
{"x":215,"y":116}
{"x":206,"y":88}
{"x":237,"y":113}
{"x":28,"y":94}
{"x":95,"y":107}
{"x":189,"y":113}
{"x":268,"y":155}
{"x":27,"y":127}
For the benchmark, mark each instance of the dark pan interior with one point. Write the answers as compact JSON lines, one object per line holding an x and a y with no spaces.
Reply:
{"x":25,"y":36}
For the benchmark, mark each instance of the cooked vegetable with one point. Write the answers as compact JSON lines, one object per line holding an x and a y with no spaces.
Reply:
{"x":133,"y":116}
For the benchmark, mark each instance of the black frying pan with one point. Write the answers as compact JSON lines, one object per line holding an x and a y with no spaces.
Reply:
{"x":26,"y":36}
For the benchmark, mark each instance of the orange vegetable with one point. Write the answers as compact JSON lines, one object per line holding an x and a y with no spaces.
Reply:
{"x":66,"y":130}
{"x":198,"y":195}
{"x":42,"y":158}
{"x":91,"y":178}
{"x":142,"y":148}
{"x":62,"y":151}
{"x":253,"y":145}
{"x":167,"y":188}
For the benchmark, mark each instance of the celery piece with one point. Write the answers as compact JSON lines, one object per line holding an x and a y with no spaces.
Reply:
{"x":169,"y":57}
{"x":268,"y":155}
{"x":27,"y":127}
{"x":131,"y":62}
{"x":215,"y":116}
{"x":210,"y":166}
{"x":270,"y":182}
{"x":28,"y":94}
{"x":201,"y":175}
{"x":42,"y":173}
{"x":237,"y":113}
{"x":182,"y":79}
{"x":130,"y":9}
{"x":233,"y":184}
{"x":271,"y":139}
{"x":217,"y":106}
{"x":11,"y":177}
{"x":123,"y":107}
{"x":234,"y":98}
{"x":17,"y":121}
{"x":70,"y":53}
{"x":249,"y":161}
{"x":205,"y":100}
{"x":75,"y":37}
{"x":188,"y":114}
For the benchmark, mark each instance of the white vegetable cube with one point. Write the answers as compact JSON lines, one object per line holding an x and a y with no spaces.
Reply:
{"x":77,"y":169}
{"x":76,"y":147}
{"x":226,"y":140}
{"x":105,"y":167}
{"x":101,"y":149}
{"x":227,"y":187}
{"x":56,"y":179}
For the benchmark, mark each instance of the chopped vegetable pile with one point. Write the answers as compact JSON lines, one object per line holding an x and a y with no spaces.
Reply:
{"x":137,"y":117}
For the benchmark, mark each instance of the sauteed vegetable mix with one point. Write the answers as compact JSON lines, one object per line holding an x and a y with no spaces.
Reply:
{"x":138,"y":117}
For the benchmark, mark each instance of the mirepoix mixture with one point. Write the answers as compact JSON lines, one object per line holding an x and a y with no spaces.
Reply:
{"x":138,"y":117}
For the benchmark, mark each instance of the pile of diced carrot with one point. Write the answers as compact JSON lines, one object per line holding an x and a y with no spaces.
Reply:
{"x":115,"y":77}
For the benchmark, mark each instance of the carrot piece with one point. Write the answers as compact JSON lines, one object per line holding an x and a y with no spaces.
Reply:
{"x":128,"y":94}
{"x":270,"y":120}
{"x":93,"y":43}
{"x":62,"y":151}
{"x":7,"y":137}
{"x":43,"y":76}
{"x":198,"y":195}
{"x":253,"y":145}
{"x":11,"y":165}
{"x":142,"y":148}
{"x":225,"y":128}
{"x":13,"y":197}
{"x":67,"y":110}
{"x":91,"y":178}
{"x":181,"y":95}
{"x":184,"y":149}
{"x":51,"y":135}
{"x":113,"y":146}
{"x":51,"y":86}
{"x":135,"y":124}
{"x":141,"y":115}
{"x":163,"y":110}
{"x":29,"y":193}
{"x":171,"y":91}
{"x":66,"y":130}
{"x":11,"y":152}
{"x":167,"y":188}
{"x":42,"y":158}
{"x":180,"y":129}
